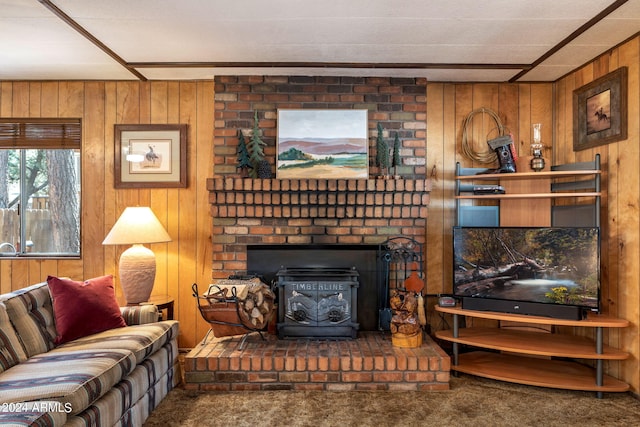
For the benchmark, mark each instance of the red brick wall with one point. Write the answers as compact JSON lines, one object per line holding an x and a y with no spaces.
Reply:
{"x":398,"y":104}
{"x":331,"y":211}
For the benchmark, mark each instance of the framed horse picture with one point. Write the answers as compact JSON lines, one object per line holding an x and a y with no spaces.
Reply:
{"x":600,"y":111}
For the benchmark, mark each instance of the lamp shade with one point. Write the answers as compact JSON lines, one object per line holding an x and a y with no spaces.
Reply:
{"x":137,"y":225}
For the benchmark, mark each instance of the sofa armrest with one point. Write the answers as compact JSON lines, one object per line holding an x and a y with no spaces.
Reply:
{"x":140,"y":314}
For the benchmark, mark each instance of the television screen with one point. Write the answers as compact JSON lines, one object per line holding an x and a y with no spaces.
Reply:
{"x":555,"y":265}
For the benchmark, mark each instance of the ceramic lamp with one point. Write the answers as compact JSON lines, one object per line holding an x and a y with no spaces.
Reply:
{"x":137,"y":266}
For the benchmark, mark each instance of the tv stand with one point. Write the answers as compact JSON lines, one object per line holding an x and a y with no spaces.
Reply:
{"x":533,"y":357}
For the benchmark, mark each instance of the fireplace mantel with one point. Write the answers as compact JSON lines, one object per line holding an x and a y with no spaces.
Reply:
{"x":318,"y":198}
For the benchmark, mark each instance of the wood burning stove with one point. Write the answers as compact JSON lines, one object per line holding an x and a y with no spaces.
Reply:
{"x":317,"y":302}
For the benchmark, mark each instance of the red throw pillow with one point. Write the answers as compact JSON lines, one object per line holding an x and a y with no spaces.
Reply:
{"x":84,"y":308}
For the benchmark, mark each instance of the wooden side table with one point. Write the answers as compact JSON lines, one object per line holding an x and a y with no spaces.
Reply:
{"x":163,"y":302}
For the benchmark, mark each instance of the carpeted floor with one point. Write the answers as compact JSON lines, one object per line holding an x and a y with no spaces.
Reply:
{"x":472,"y":401}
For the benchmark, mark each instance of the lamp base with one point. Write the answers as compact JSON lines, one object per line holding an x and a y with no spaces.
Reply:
{"x":137,"y":273}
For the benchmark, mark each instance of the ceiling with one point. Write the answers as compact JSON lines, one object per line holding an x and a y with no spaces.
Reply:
{"x":441,"y":40}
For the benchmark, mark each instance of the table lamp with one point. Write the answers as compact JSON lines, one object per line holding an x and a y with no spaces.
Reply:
{"x":137,"y":266}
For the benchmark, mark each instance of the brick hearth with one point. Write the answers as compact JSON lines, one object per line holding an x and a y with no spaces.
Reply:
{"x":369,"y":362}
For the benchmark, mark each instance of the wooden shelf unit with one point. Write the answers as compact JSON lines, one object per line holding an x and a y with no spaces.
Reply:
{"x":531,"y":359}
{"x":568,"y":181}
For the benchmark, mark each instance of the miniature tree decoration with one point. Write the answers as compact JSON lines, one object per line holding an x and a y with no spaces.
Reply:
{"x":382,"y":152}
{"x":256,"y":154}
{"x":396,"y":154}
{"x":244,"y":164}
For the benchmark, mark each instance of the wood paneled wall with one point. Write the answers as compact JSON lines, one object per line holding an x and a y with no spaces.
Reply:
{"x":184,"y":212}
{"x":620,"y":242}
{"x":448,"y":106}
{"x":520,"y":105}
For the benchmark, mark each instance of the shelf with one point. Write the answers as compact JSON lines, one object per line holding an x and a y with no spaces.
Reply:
{"x":529,"y":175}
{"x":533,"y":343}
{"x":530,"y":198}
{"x":536,"y":372}
{"x":529,"y":195}
{"x":592,"y":320}
{"x":526,"y":356}
{"x":530,"y":357}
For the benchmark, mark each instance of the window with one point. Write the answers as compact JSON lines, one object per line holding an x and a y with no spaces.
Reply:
{"x":40,"y":187}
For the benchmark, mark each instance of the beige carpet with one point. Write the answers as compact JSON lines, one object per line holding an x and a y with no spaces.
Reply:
{"x":472,"y":401}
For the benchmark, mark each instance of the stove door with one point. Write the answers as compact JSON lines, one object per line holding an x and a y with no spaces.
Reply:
{"x":334,"y":303}
{"x":301,"y":303}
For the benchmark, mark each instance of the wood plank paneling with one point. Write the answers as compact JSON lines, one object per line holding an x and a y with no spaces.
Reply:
{"x":620,"y":228}
{"x":100,"y":105}
{"x":448,"y":105}
{"x":185,"y":212}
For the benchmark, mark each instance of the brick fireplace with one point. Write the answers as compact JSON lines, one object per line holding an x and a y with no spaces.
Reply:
{"x":316,"y":212}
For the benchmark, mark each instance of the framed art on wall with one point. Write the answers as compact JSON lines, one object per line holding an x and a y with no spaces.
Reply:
{"x":322,"y":144}
{"x":150,"y":156}
{"x":600,"y":111}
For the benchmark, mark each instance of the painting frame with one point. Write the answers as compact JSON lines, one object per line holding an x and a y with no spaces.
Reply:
{"x":150,"y":155}
{"x":322,"y":143}
{"x":600,"y":111}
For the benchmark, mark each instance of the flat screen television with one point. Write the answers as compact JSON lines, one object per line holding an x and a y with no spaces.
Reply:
{"x":543,"y":271}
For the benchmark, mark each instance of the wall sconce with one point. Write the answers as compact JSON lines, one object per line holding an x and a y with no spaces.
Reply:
{"x":137,"y":265}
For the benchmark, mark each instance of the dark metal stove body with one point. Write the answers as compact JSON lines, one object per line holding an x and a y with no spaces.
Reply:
{"x":317,"y":303}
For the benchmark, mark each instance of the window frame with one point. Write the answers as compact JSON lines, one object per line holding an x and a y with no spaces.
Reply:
{"x":43,"y":134}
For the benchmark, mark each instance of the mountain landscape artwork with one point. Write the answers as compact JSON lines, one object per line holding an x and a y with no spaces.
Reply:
{"x":327,"y":144}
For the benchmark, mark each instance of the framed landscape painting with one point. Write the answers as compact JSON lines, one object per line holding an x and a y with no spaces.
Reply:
{"x":327,"y":144}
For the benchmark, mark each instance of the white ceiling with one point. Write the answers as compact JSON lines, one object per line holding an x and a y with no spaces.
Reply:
{"x":442,"y":40}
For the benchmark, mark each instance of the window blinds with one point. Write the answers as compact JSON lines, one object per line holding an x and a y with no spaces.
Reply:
{"x":40,"y":133}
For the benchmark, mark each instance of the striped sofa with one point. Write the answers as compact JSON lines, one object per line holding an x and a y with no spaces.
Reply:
{"x":111,"y":378}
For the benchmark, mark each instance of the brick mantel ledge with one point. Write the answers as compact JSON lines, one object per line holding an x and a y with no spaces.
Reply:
{"x":318,"y":198}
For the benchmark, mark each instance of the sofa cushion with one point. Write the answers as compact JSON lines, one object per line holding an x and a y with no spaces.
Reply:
{"x":84,"y":308}
{"x":141,"y":340}
{"x":11,"y":351}
{"x":130,"y":401}
{"x":74,"y":378}
{"x":31,"y":314}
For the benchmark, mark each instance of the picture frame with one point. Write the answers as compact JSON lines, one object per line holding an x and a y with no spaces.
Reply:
{"x":600,"y":111}
{"x":150,"y":156}
{"x":316,"y":143}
